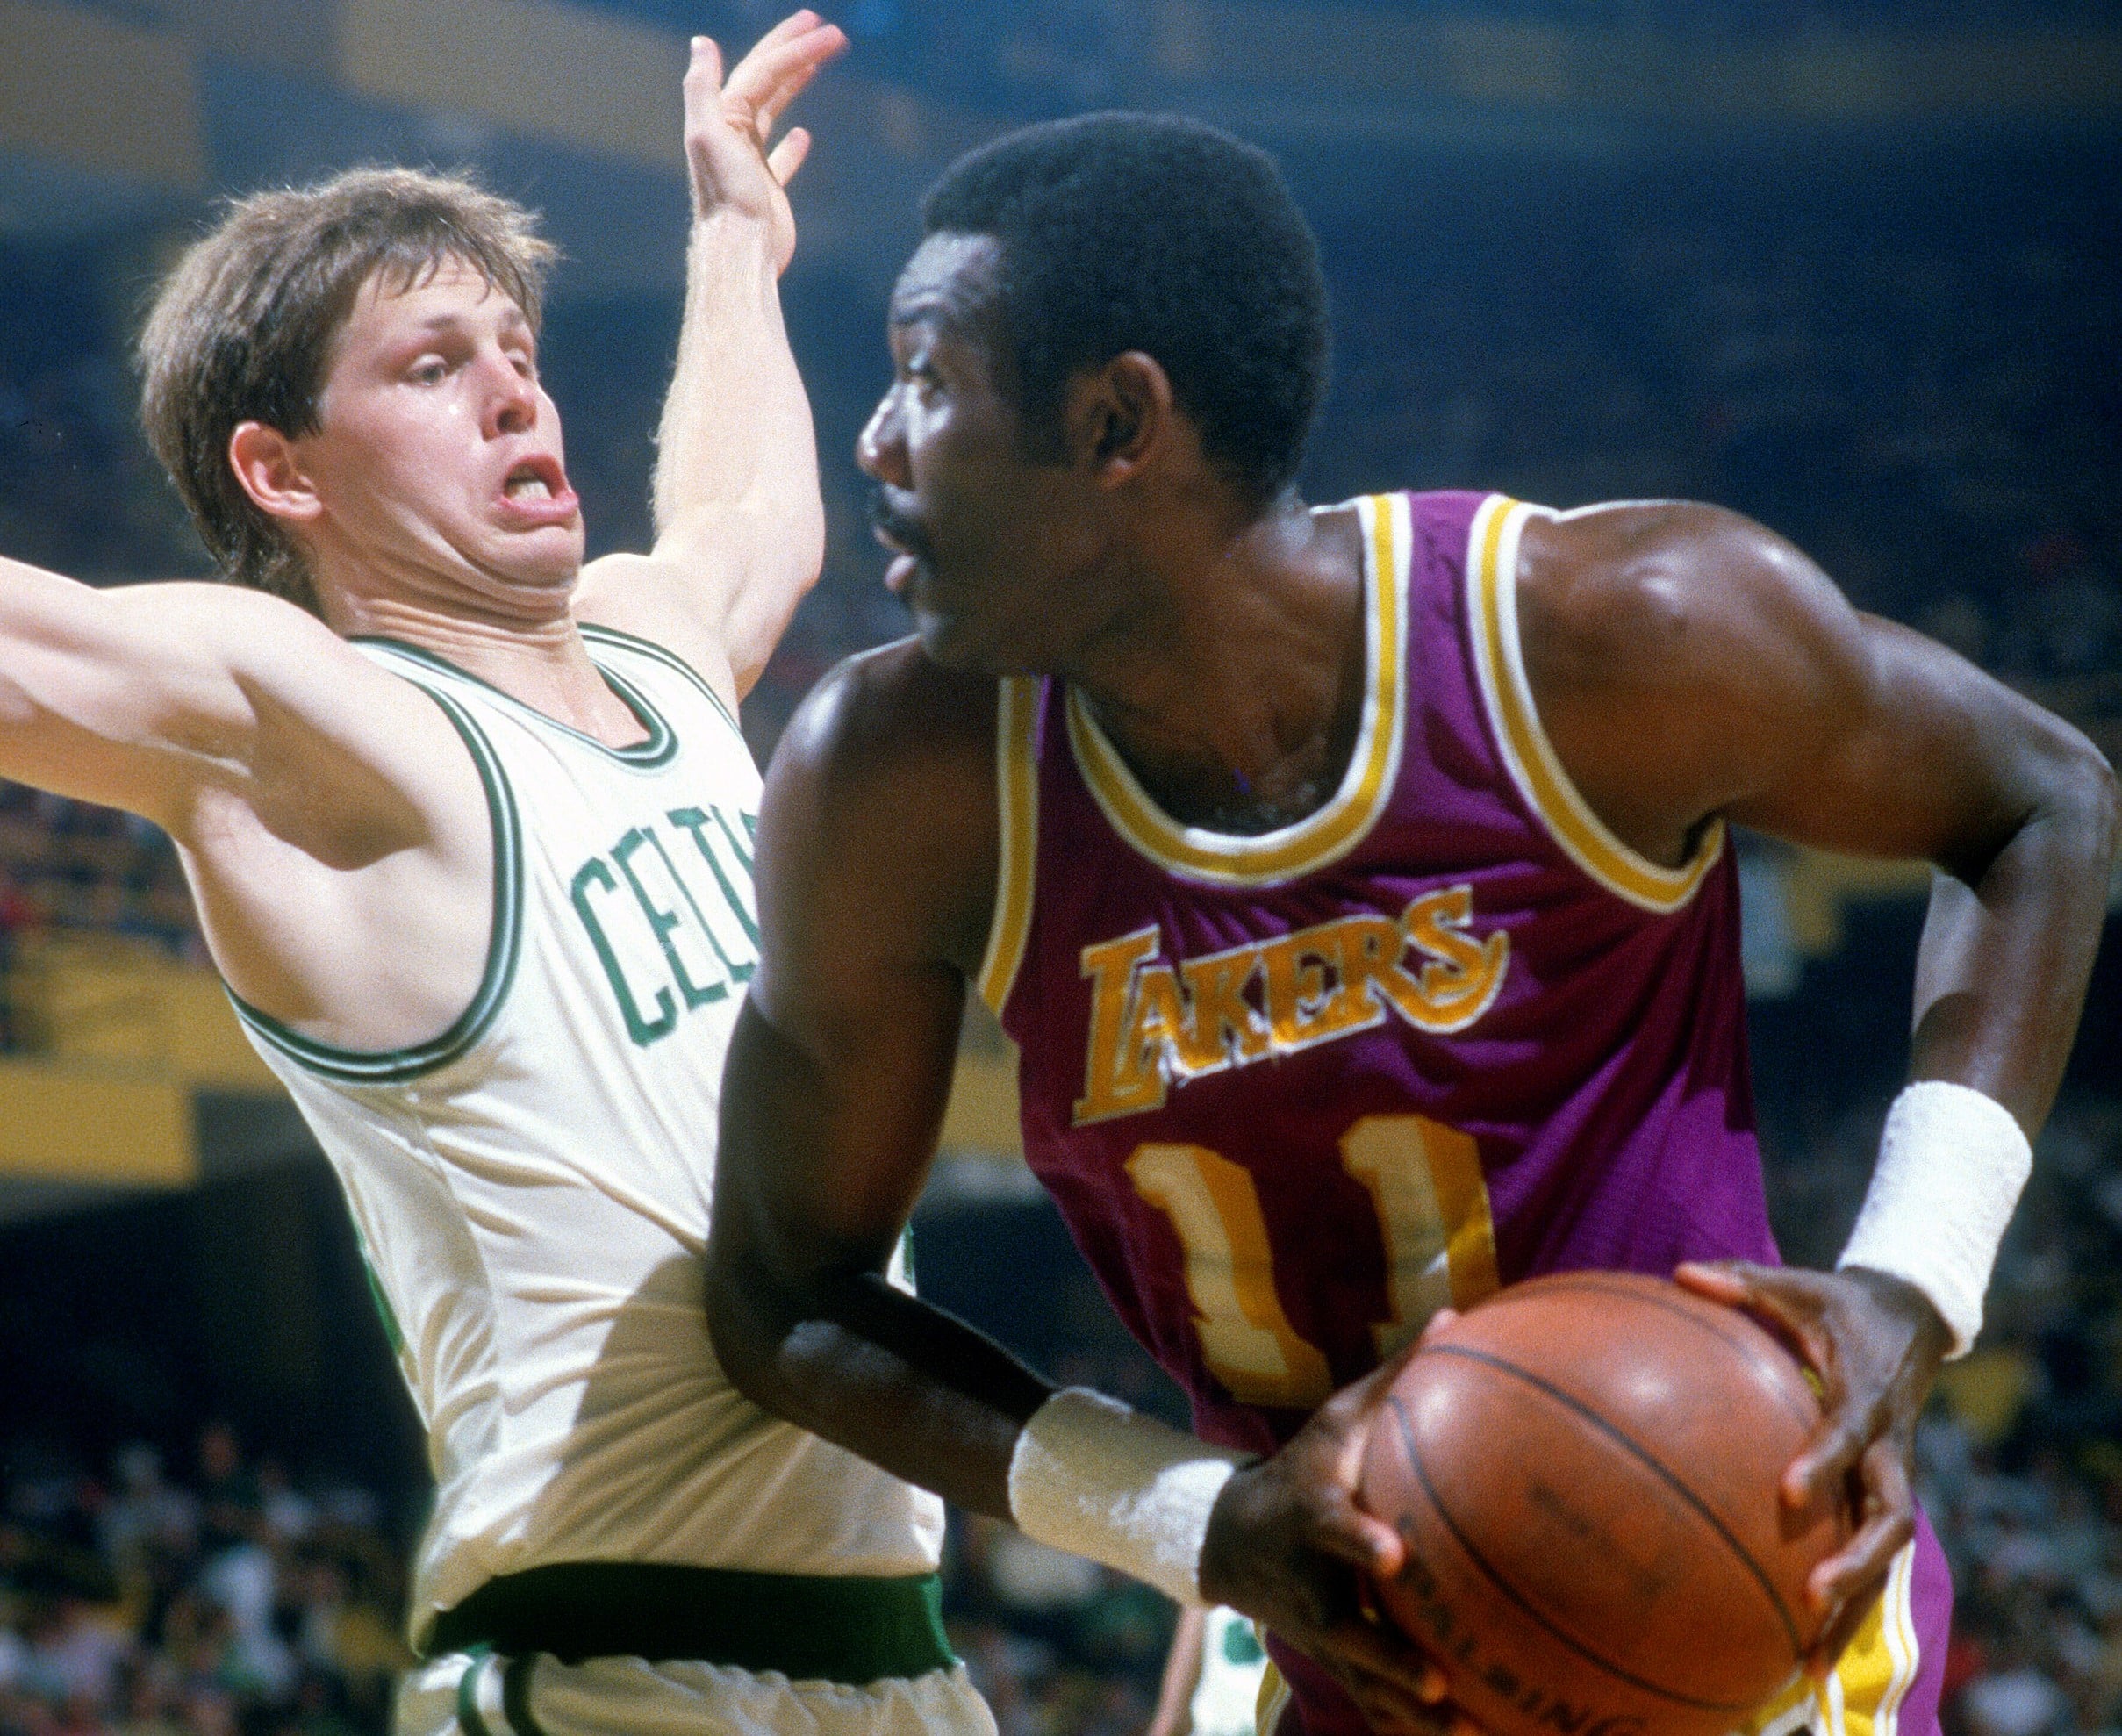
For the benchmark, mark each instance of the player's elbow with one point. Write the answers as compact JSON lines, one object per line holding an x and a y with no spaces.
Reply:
{"x":2083,"y":803}
{"x":742,"y":1326}
{"x":2102,"y":796}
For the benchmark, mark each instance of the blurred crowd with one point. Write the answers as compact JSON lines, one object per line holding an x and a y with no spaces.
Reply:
{"x":225,"y":1601}
{"x":2022,"y":1455}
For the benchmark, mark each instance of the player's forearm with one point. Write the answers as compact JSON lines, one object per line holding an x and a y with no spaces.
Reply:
{"x":876,"y":1371}
{"x":736,"y":474}
{"x":803,"y":1322}
{"x":2000,"y":980}
{"x":2007,"y":953}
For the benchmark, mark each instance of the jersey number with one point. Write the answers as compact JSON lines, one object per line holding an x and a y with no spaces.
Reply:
{"x":1425,"y":1182}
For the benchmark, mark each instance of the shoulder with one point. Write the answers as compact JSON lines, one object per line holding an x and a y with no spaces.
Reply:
{"x":654,"y":600}
{"x":1670,"y":592}
{"x":1677,"y":655}
{"x":893,"y":714}
{"x":881,"y":796}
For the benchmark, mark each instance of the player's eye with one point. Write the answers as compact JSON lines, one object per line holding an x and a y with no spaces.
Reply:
{"x":429,"y":370}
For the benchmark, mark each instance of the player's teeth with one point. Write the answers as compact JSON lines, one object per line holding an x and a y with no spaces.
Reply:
{"x":529,"y":488}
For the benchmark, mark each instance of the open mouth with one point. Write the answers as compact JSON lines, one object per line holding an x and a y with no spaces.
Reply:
{"x":535,"y":481}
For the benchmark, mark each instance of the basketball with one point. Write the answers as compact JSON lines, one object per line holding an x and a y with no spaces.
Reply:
{"x":1584,"y":1469}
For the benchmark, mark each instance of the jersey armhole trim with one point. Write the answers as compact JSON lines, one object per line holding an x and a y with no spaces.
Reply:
{"x":1514,"y":721}
{"x":595,"y":633}
{"x":395,"y":1066}
{"x":1017,"y":796}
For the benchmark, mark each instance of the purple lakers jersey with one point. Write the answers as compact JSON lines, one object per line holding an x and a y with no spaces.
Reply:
{"x":1293,"y":1093}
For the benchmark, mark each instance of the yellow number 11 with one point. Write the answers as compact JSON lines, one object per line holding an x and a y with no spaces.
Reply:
{"x":1425,"y":1182}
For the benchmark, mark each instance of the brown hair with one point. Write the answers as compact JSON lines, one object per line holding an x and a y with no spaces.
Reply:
{"x":241,"y":330}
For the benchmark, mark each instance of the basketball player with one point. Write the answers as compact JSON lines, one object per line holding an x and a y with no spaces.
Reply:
{"x":1355,"y":883}
{"x":471,"y":844}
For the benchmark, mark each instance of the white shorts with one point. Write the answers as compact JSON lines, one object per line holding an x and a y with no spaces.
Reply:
{"x":464,"y":1694}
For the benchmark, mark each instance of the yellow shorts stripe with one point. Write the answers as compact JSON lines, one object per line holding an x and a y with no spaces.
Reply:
{"x":1862,"y":1698}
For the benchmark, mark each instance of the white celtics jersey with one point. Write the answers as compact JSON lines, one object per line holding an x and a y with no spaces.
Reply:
{"x":531,"y":1187}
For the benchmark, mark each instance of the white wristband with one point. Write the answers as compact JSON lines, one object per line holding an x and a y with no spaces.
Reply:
{"x":1092,"y":1477}
{"x":1951,"y":1165}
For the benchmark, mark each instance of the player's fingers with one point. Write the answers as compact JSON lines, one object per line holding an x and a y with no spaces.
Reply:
{"x":796,"y":24}
{"x":787,"y":156}
{"x":1777,"y":1298}
{"x":1780,"y":1302}
{"x":1860,"y":1565}
{"x":704,"y":71}
{"x":1825,"y":1462}
{"x":1716,"y":1279}
{"x":1389,"y":1672}
{"x":1438,"y":1322}
{"x":1826,"y":1651}
{"x":769,"y":81}
{"x":1341,"y":1529}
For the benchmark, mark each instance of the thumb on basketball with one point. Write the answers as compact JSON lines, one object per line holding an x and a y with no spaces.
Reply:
{"x":1775,"y":1296}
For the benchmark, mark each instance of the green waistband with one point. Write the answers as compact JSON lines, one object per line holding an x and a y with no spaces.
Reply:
{"x":808,"y":1627}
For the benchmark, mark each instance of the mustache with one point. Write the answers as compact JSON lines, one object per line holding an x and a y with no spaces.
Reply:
{"x":901,"y":530}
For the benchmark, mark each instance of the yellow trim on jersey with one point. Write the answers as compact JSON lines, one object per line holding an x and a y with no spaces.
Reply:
{"x":1862,"y":1698}
{"x":1492,"y":549}
{"x":1274,"y":1694}
{"x":1227,"y":859}
{"x":1017,"y":793}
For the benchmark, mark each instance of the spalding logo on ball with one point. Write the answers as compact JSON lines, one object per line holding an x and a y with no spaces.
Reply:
{"x":1585,"y":1471}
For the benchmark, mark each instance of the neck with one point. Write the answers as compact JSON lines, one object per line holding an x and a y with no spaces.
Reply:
{"x":1233,"y":690}
{"x":542,"y":663}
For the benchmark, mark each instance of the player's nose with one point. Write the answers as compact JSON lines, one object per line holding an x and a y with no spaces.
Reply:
{"x":512,"y":398}
{"x":880,"y":448}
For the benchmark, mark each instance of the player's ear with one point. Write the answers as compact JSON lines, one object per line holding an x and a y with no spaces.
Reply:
{"x":1118,"y":415}
{"x":271,"y":473}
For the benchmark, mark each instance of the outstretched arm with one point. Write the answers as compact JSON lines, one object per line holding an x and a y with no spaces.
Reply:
{"x":1769,"y":699}
{"x":317,"y":799}
{"x":740,"y":530}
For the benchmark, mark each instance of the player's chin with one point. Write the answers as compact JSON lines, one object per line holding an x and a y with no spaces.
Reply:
{"x":547,"y":559}
{"x":956,"y":642}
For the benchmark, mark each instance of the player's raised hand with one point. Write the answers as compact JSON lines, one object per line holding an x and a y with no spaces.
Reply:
{"x":1876,"y":1344}
{"x":1288,"y":1546}
{"x":734,"y":165}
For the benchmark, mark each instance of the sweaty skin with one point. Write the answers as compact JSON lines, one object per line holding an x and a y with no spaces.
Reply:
{"x":329,"y":819}
{"x":1687,"y":663}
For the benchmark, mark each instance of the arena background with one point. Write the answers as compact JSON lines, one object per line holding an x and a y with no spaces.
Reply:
{"x":1847,"y":265}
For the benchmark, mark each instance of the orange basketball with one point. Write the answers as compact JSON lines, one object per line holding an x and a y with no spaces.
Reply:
{"x":1584,"y":1469}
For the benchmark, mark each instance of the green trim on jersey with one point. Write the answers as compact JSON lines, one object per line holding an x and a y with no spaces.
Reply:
{"x":394,"y":1067}
{"x":469,"y":1719}
{"x":659,"y":749}
{"x":594,"y":631}
{"x":810,"y":1627}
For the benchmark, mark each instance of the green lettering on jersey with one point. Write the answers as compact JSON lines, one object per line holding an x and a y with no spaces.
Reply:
{"x":733,"y":898}
{"x":665,"y":923}
{"x":642,"y":1030}
{"x":707,"y":934}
